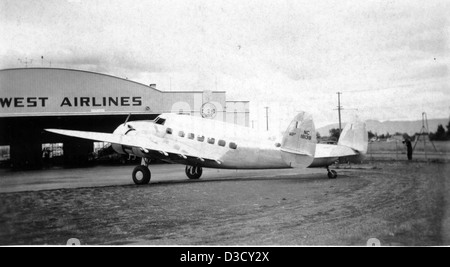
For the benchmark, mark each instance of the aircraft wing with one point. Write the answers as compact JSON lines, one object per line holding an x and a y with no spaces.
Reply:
{"x":144,"y":143}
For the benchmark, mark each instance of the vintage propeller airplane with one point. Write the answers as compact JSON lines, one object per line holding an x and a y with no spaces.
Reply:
{"x":204,"y":143}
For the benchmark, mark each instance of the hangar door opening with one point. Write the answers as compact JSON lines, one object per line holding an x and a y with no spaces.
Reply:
{"x":52,"y":154}
{"x":5,"y":155}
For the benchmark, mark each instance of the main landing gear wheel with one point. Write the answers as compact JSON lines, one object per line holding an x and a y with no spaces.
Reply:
{"x":141,"y":175}
{"x":194,"y":172}
{"x":332,"y":174}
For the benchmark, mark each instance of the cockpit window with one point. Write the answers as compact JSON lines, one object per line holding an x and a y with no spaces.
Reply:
{"x":233,"y":145}
{"x":160,"y":121}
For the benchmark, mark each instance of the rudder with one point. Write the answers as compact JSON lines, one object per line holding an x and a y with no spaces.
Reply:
{"x":299,"y":141}
{"x":355,"y":136}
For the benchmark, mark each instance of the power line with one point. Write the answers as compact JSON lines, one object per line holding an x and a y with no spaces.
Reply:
{"x":267,"y":117}
{"x":401,"y":87}
{"x":441,"y":103}
{"x":43,"y":60}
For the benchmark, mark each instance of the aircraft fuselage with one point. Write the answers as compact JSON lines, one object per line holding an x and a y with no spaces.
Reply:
{"x":234,"y":146}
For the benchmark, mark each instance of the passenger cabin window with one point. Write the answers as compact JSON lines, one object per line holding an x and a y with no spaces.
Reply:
{"x":169,"y":130}
{"x":233,"y":145}
{"x":200,"y":138}
{"x":222,"y":143}
{"x":160,"y":121}
{"x":191,"y":135}
{"x":211,"y":141}
{"x":181,"y":134}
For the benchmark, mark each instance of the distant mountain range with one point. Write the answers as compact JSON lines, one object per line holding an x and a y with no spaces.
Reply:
{"x":391,"y":127}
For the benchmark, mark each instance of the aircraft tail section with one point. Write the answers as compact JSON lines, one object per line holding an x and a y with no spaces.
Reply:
{"x":299,"y":141}
{"x":355,"y":136}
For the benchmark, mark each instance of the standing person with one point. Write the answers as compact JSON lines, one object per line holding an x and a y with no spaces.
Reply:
{"x":407,"y":142}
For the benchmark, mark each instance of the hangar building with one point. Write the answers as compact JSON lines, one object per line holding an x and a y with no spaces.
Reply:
{"x":32,"y":99}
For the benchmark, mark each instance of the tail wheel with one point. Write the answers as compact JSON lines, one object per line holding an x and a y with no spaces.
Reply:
{"x":332,"y":174}
{"x":141,"y":175}
{"x":194,"y":172}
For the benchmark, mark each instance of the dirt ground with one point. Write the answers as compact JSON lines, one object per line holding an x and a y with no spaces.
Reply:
{"x":398,"y":203}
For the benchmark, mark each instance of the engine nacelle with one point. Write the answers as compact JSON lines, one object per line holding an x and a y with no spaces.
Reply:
{"x":127,"y":129}
{"x":127,"y":150}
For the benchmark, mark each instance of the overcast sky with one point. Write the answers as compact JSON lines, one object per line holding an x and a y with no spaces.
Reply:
{"x":389,"y":58}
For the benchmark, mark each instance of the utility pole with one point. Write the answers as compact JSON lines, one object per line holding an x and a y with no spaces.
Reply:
{"x":43,"y":61}
{"x":25,"y":62}
{"x":267,"y":117}
{"x":339,"y":110}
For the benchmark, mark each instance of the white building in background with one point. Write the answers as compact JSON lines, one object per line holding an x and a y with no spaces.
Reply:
{"x":238,"y":112}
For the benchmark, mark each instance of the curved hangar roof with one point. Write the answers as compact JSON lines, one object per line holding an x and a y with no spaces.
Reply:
{"x":51,"y":91}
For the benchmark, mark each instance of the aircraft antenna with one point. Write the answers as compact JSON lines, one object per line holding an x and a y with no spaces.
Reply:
{"x":129,"y":115}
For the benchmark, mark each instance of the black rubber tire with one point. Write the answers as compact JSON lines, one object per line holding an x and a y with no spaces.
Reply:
{"x":146,"y":175}
{"x":332,"y":174}
{"x":196,"y":175}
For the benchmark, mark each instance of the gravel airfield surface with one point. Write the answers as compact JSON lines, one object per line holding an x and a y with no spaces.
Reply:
{"x":405,"y":204}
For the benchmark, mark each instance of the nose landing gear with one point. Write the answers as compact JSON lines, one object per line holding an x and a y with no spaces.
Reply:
{"x":194,"y":172}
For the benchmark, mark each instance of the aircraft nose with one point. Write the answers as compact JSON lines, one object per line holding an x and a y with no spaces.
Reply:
{"x":124,"y":129}
{"x":121,"y":130}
